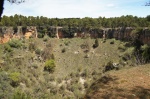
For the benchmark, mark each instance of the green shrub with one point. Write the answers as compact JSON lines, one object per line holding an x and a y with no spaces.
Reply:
{"x":21,"y":95}
{"x":112,"y":42}
{"x":84,"y":73}
{"x":5,"y":87}
{"x":47,"y":53}
{"x":63,"y":50}
{"x":104,"y":41}
{"x":96,"y":44}
{"x":15,"y":43}
{"x":50,"y":65}
{"x":35,"y":66}
{"x":32,"y":47}
{"x":122,"y":48}
{"x":109,"y":66}
{"x":66,"y":43}
{"x":8,"y":48}
{"x":86,"y":85}
{"x":146,"y":53}
{"x":15,"y":79}
{"x":40,"y":35}
{"x":45,"y":39}
{"x":38,"y":51}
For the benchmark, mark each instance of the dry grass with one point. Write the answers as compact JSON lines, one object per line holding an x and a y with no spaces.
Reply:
{"x":129,"y":83}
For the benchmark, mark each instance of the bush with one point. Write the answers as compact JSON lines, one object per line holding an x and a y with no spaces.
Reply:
{"x":15,"y":78}
{"x":15,"y":43}
{"x":86,"y":85}
{"x":50,"y":65}
{"x":21,"y":95}
{"x":5,"y":87}
{"x":96,"y":44}
{"x":47,"y":53}
{"x":66,"y":43}
{"x":63,"y":50}
{"x":7,"y":48}
{"x":38,"y":51}
{"x":109,"y":66}
{"x":122,"y":48}
{"x":32,"y":46}
{"x":40,"y":35}
{"x":45,"y":39}
{"x":84,"y":73}
{"x":112,"y":42}
{"x":146,"y":53}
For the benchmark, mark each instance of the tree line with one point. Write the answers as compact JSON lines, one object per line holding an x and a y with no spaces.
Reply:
{"x":86,"y":22}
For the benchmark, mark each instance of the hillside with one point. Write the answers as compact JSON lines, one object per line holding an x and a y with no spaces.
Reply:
{"x":128,"y":83}
{"x":77,"y":65}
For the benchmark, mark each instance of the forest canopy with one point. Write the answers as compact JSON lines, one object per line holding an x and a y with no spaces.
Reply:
{"x":86,"y":22}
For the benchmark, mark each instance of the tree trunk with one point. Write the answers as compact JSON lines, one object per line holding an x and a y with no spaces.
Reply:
{"x":1,"y":8}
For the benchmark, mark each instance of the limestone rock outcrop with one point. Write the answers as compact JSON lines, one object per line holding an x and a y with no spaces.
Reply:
{"x":8,"y":33}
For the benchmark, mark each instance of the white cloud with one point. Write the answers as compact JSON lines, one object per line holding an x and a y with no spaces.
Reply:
{"x":110,"y":5}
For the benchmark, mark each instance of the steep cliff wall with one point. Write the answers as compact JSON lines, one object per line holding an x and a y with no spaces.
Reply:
{"x":117,"y":33}
{"x":7,"y":33}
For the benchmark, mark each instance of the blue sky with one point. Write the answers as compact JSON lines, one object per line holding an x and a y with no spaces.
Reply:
{"x":78,"y":8}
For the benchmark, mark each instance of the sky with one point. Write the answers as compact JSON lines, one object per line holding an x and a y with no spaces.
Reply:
{"x":78,"y":8}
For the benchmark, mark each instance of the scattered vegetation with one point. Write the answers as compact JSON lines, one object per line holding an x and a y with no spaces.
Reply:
{"x":67,"y":75}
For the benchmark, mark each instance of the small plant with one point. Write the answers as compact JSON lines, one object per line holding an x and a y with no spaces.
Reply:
{"x":94,"y":72}
{"x":45,"y":39}
{"x":122,"y":48}
{"x":8,"y":48}
{"x":86,"y":85}
{"x":21,"y":95}
{"x":38,"y":51}
{"x":112,"y":42}
{"x":96,"y":44}
{"x":62,"y":87}
{"x":63,"y":50}
{"x":84,"y":73}
{"x":104,"y":41}
{"x":72,"y":75}
{"x":79,"y":69}
{"x":40,"y":35}
{"x":15,"y":78}
{"x":109,"y":66}
{"x":47,"y":53}
{"x":32,"y":46}
{"x":59,"y":80}
{"x":50,"y":65}
{"x":66,"y":43}
{"x":52,"y":78}
{"x":35,"y":66}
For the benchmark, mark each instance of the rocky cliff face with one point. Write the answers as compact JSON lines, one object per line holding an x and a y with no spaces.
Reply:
{"x":108,"y":33}
{"x":8,"y":33}
{"x":126,"y":34}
